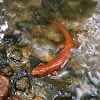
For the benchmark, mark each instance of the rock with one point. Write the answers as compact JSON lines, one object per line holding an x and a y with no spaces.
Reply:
{"x":43,"y":49}
{"x":18,"y":58}
{"x":54,"y":36}
{"x":12,"y":38}
{"x":5,"y":87}
{"x":3,"y":57}
{"x":34,"y":61}
{"x":22,"y":25}
{"x":13,"y":98}
{"x":41,"y":15}
{"x":19,"y":75}
{"x":90,"y":96}
{"x":6,"y":72}
{"x":38,"y":98}
{"x":22,"y":84}
{"x":52,"y":5}
{"x":76,"y":9}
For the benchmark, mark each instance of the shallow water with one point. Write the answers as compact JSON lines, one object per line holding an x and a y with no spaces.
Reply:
{"x":80,"y":78}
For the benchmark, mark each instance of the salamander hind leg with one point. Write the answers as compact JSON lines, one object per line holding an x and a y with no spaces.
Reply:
{"x":60,"y":47}
{"x":76,"y":46}
{"x":41,"y":64}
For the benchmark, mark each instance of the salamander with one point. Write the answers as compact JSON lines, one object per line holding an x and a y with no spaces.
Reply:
{"x":45,"y":69}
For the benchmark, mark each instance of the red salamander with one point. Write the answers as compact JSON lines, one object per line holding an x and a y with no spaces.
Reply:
{"x":42,"y":69}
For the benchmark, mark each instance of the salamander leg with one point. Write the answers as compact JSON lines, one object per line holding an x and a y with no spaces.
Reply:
{"x":41,"y":64}
{"x":60,"y":47}
{"x":76,"y":46}
{"x":53,"y":73}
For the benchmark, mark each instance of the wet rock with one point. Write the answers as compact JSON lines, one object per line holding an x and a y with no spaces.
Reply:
{"x":22,"y":84}
{"x":67,"y":74}
{"x":18,"y":57}
{"x":93,"y":78}
{"x":43,"y":20}
{"x":39,"y":18}
{"x":14,"y":68}
{"x":43,"y":49}
{"x":3,"y":57}
{"x":38,"y":98}
{"x":23,"y":25}
{"x":34,"y":61}
{"x":63,"y":87}
{"x":27,"y":95}
{"x":24,"y":42}
{"x":6,"y":72}
{"x":19,"y":75}
{"x":71,"y":71}
{"x":14,"y":97}
{"x":14,"y":56}
{"x":76,"y":9}
{"x":62,"y":98}
{"x":12,"y":38}
{"x":41,"y":15}
{"x":17,"y":54}
{"x":90,"y":96}
{"x":50,"y":89}
{"x":53,"y":5}
{"x":25,"y":52}
{"x":12,"y":52}
{"x":5,"y":87}
{"x":54,"y":36}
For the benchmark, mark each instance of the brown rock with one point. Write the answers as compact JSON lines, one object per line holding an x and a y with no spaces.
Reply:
{"x":22,"y":84}
{"x":13,"y":98}
{"x":6,"y":72}
{"x":5,"y":87}
{"x":38,"y":98}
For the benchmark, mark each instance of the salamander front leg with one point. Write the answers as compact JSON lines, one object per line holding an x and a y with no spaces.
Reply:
{"x":76,"y":46}
{"x":53,"y":73}
{"x":41,"y":64}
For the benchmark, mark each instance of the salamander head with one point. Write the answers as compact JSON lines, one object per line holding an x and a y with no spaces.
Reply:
{"x":38,"y":71}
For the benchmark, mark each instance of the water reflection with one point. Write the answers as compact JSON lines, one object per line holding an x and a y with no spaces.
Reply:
{"x":1,"y":1}
{"x":4,"y":27}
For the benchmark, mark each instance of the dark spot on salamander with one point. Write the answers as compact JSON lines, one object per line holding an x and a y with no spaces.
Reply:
{"x":37,"y":75}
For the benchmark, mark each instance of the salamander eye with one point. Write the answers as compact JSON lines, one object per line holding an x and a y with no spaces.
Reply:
{"x":37,"y":75}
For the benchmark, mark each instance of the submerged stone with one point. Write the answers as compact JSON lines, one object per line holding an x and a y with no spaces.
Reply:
{"x":77,"y":9}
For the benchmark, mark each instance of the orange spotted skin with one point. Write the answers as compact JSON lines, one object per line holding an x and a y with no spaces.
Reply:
{"x":42,"y":69}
